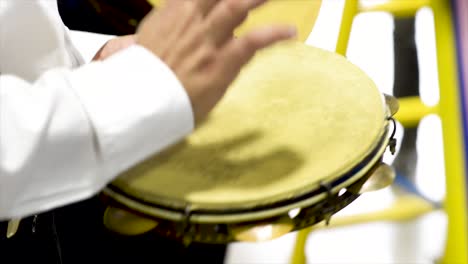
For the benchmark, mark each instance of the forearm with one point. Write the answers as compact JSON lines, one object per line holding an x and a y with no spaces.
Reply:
{"x":68,"y":134}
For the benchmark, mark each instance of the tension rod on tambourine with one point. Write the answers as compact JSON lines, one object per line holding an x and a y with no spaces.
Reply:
{"x":187,"y":239}
{"x":328,"y":189}
{"x":393,"y":142}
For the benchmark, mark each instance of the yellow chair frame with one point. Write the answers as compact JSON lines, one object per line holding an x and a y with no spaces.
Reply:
{"x":412,"y":110}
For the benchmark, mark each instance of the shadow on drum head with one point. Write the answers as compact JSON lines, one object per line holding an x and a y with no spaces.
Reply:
{"x":186,"y":168}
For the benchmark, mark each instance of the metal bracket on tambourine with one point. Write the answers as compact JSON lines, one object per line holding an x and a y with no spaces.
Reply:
{"x":393,"y":142}
{"x":393,"y":106}
{"x":328,"y":189}
{"x":187,"y":229}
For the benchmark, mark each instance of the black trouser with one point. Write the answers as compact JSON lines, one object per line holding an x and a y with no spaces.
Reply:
{"x":75,"y":234}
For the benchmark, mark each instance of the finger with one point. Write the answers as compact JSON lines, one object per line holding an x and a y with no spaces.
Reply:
{"x":240,"y":50}
{"x":226,"y":16}
{"x":188,"y":42}
{"x":201,"y":57}
{"x":183,"y":17}
{"x":178,"y":20}
{"x":206,"y":5}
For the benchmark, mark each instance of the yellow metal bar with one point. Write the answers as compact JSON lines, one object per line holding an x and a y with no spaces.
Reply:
{"x":398,"y":8}
{"x":349,"y":12}
{"x":404,"y":208}
{"x":450,"y":113}
{"x":412,"y":110}
{"x":299,"y":255}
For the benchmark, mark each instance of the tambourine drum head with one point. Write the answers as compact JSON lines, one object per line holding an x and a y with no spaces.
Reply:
{"x":295,"y":116}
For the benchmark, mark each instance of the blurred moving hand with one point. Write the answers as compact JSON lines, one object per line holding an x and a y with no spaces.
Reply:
{"x":195,"y":38}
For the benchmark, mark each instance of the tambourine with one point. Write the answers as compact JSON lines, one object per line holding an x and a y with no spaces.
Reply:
{"x":299,"y":135}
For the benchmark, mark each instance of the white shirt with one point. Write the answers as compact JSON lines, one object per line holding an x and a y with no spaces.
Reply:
{"x":68,"y":130}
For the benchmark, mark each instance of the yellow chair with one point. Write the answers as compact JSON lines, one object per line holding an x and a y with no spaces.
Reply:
{"x":412,"y":110}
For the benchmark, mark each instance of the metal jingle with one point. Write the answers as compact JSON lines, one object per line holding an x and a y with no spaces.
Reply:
{"x":392,"y":104}
{"x":261,"y":232}
{"x":12,"y":228}
{"x":126,"y":223}
{"x":383,"y":176}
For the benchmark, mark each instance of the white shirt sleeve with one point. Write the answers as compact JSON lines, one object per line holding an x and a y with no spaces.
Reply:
{"x":71,"y":132}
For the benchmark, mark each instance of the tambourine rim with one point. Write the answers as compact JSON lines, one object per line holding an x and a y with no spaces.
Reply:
{"x":260,"y":211}
{"x":239,"y":216}
{"x":181,"y":205}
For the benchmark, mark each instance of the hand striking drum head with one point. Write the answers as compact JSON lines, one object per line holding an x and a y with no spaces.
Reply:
{"x":300,"y":13}
{"x":295,"y":117}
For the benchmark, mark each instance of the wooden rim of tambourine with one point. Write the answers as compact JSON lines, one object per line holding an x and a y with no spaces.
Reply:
{"x":160,"y":206}
{"x":274,"y":209}
{"x":300,"y":13}
{"x":261,"y":212}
